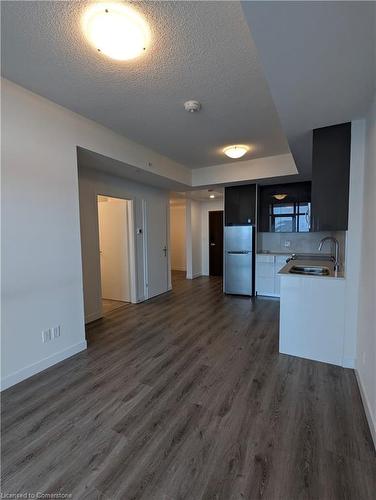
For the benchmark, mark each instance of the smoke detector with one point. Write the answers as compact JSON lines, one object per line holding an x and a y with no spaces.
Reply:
{"x":192,"y":106}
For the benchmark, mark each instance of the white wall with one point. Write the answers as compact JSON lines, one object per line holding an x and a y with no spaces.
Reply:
{"x":178,"y":237}
{"x":41,"y":280}
{"x":147,"y":202}
{"x":353,"y":262}
{"x":207,"y":207}
{"x":366,"y":338}
{"x":41,"y":254}
{"x":193,"y":239}
{"x":114,"y":248}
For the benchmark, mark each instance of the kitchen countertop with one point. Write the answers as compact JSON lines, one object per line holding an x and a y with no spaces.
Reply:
{"x":285,"y":271}
{"x":310,"y":256}
{"x":264,"y":252}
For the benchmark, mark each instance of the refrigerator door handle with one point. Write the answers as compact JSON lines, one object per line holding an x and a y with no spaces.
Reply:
{"x":240,"y":252}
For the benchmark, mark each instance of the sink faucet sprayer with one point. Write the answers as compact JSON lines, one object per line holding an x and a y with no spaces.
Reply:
{"x":336,"y":249}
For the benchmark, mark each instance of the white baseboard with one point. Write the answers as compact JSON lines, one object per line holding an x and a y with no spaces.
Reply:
{"x":93,"y":316}
{"x":348,"y":363}
{"x":193,"y":276}
{"x":29,"y":371}
{"x":371,"y":419}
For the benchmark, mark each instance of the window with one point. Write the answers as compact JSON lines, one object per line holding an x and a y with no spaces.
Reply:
{"x":289,"y":217}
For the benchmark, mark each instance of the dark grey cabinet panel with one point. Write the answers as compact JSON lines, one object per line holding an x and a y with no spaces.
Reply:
{"x":330,"y":177}
{"x":240,"y":205}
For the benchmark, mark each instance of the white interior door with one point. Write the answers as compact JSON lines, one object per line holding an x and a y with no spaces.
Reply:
{"x":114,"y":248}
{"x":157,"y":249}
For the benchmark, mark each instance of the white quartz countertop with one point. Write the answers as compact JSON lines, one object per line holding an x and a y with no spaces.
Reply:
{"x":265,"y":252}
{"x":285,"y":271}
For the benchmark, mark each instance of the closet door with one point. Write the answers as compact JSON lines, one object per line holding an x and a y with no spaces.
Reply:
{"x":156,"y":244}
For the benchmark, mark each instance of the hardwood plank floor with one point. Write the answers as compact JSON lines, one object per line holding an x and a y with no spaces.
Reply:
{"x":109,"y":305}
{"x":186,"y":397}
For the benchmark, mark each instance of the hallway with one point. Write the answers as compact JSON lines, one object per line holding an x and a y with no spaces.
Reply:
{"x":186,"y":396}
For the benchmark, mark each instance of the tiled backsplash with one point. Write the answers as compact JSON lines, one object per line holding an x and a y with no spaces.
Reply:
{"x":299,"y":242}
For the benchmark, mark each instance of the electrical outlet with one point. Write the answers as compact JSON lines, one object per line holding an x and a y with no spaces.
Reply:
{"x":287,"y":243}
{"x":51,"y":334}
{"x":56,"y":331}
{"x":46,"y":335}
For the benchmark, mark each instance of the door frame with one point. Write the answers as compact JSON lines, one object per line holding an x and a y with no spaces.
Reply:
{"x":145,"y":249}
{"x":168,"y":245}
{"x":131,"y":245}
{"x":223,"y":225}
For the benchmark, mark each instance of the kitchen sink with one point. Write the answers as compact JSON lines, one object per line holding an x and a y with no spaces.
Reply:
{"x":310,"y":270}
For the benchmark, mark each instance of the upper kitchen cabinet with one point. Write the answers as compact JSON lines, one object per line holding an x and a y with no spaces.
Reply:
{"x":285,"y":208}
{"x":330,"y":177}
{"x":240,"y":205}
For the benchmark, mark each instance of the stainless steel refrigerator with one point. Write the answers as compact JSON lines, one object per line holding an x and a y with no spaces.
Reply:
{"x":239,"y":260}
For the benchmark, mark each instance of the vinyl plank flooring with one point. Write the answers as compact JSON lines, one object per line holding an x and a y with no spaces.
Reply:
{"x":109,"y":305}
{"x":185,"y":396}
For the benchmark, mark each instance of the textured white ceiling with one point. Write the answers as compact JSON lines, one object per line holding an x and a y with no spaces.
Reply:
{"x":199,"y":50}
{"x":319,"y":60}
{"x":199,"y":195}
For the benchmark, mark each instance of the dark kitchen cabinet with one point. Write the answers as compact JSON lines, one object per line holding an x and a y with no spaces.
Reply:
{"x":331,"y":178}
{"x":240,"y":205}
{"x":290,"y":201}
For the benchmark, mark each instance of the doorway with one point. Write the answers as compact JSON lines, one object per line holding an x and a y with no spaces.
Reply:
{"x":178,"y":239}
{"x":216,"y":243}
{"x":114,"y":249}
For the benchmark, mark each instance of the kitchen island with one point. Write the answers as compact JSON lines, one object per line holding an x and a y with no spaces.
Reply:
{"x":312,"y":312}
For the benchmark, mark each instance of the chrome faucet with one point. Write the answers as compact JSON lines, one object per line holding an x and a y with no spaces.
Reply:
{"x":336,"y":249}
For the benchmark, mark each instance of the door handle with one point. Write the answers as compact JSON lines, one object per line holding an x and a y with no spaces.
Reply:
{"x":212,"y":244}
{"x":165,"y":251}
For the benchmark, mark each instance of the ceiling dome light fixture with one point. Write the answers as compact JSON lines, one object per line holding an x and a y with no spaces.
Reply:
{"x":279,"y":197}
{"x":212,"y":196}
{"x":116,"y":30}
{"x":236,"y":151}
